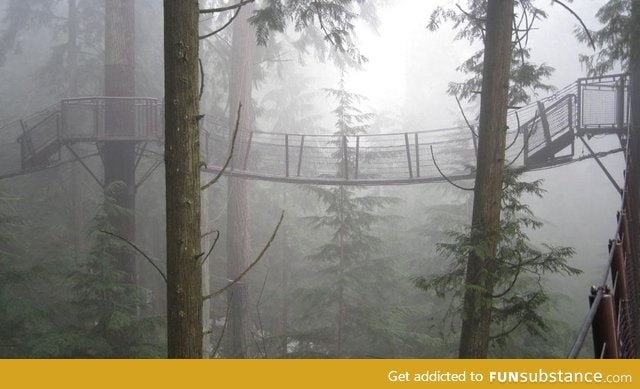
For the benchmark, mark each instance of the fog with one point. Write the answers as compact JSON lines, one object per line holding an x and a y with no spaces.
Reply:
{"x":325,"y":288}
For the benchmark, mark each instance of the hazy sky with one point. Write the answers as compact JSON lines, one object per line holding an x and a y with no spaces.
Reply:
{"x":405,"y":54}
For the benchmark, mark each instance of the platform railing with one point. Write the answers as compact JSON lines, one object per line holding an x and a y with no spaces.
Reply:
{"x":613,"y":314}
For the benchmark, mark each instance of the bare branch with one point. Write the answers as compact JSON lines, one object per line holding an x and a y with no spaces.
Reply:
{"x":213,"y":245}
{"x":255,"y":261}
{"x":127,"y":241}
{"x":214,"y":32}
{"x":231,"y":148}
{"x":465,"y":117}
{"x":442,"y":174}
{"x":201,"y":79}
{"x":226,"y":8}
{"x":517,"y":132}
{"x":586,"y":30}
{"x":224,"y":326}
{"x":260,"y":326}
{"x":526,"y":135}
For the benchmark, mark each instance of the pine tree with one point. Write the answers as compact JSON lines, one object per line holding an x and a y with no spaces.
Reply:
{"x":105,"y":306}
{"x":348,"y":259}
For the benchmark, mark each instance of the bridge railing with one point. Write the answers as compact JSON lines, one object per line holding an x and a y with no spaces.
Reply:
{"x":603,"y":104}
{"x":134,"y":118}
{"x":613,"y":314}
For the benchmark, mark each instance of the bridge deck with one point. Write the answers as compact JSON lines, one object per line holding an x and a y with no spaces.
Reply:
{"x":538,"y":134}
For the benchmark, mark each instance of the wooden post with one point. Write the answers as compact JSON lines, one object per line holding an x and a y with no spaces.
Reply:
{"x":618,"y":271}
{"x":605,"y":340}
{"x":300,"y":155}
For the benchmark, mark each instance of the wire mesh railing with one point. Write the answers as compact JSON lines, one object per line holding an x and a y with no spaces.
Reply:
{"x":613,"y":316}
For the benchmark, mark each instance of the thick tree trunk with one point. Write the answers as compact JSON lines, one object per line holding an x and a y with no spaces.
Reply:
{"x":476,"y":321}
{"x":119,"y":156}
{"x":182,"y":175}
{"x":238,"y":248}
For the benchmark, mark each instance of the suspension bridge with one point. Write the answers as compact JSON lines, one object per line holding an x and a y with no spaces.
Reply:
{"x":539,"y":135}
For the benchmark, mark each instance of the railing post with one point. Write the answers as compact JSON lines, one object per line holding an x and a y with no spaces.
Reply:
{"x":604,"y":327}
{"x":579,"y":106}
{"x":300,"y":155}
{"x":418,"y":155}
{"x":620,"y":104}
{"x":406,"y":144}
{"x":286,"y":154}
{"x":618,"y":271}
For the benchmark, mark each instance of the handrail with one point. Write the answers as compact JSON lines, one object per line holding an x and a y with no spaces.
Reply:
{"x":599,"y":290}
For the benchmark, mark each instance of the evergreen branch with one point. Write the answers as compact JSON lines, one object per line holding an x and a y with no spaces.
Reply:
{"x":513,"y":283}
{"x":127,"y":241}
{"x":506,"y":333}
{"x":433,"y":158}
{"x":245,"y":271}
{"x":225,"y":8}
{"x":231,"y":148}
{"x":586,"y":30}
{"x":214,"y":32}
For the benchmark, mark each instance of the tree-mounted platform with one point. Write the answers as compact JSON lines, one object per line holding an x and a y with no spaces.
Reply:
{"x":541,"y":134}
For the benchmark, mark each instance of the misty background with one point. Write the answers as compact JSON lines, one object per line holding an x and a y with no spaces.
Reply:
{"x":50,"y":215}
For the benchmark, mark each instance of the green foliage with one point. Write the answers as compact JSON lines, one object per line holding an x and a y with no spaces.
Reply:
{"x":107,"y":306}
{"x":526,"y":78}
{"x":335,"y":24}
{"x":519,"y":292}
{"x":613,"y":40}
{"x":348,"y":312}
{"x":74,"y":65}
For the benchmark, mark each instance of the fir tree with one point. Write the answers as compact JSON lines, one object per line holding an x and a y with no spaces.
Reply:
{"x":348,"y":259}
{"x":106,"y":305}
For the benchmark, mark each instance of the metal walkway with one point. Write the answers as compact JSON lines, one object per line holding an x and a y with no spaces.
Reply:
{"x":539,"y":135}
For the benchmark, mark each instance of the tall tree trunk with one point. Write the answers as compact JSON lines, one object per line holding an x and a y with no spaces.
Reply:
{"x":238,"y":248}
{"x":76,"y":168}
{"x":182,"y":177}
{"x":476,"y":321}
{"x":119,"y":156}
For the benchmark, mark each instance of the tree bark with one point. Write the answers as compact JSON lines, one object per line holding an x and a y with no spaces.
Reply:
{"x":119,"y":156}
{"x":476,"y":321}
{"x":238,"y":248}
{"x":182,"y":175}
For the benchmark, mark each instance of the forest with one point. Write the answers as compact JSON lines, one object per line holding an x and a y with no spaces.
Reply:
{"x":315,"y":179}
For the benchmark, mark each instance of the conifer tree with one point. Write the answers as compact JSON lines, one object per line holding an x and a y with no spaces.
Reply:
{"x":349,"y":258}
